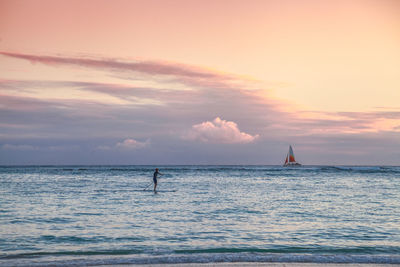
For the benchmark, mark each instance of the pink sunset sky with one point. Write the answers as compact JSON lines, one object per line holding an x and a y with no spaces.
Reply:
{"x":199,"y":82}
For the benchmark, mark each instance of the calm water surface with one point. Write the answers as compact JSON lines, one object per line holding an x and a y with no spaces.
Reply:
{"x":87,"y":215}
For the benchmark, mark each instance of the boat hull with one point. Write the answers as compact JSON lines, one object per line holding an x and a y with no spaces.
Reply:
{"x":292,"y":165}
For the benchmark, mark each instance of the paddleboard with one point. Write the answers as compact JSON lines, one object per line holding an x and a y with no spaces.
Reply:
{"x":158,"y":191}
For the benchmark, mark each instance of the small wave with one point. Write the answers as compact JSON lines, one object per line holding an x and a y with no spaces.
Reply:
{"x":69,"y":253}
{"x":68,"y":239}
{"x":40,"y":220}
{"x":316,"y":250}
{"x":361,"y":169}
{"x":207,"y":258}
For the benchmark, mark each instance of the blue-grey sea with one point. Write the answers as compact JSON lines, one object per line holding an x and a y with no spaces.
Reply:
{"x":91,"y":215}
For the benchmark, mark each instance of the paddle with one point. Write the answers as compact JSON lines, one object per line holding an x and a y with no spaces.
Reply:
{"x":148,"y":186}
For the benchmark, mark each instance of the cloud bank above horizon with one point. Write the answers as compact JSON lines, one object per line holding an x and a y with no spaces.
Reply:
{"x":103,"y":110}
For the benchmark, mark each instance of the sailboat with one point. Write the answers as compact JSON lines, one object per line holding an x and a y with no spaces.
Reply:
{"x":290,"y":160}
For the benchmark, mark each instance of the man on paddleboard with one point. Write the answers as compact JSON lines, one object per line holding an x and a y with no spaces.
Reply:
{"x":156,"y":173}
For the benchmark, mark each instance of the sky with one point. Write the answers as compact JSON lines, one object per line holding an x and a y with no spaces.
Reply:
{"x":199,"y":82}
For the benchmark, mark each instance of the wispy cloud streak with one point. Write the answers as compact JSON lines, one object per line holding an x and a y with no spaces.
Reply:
{"x":187,"y":74}
{"x":176,"y":99}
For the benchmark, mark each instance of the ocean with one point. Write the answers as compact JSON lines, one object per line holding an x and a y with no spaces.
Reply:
{"x":92,"y":215}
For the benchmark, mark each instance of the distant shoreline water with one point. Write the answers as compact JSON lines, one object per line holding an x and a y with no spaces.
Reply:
{"x":78,"y":215}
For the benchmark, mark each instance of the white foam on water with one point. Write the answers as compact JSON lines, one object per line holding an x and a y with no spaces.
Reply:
{"x":202,"y":258}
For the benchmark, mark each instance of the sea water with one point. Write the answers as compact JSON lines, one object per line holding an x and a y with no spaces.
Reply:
{"x":88,"y":215}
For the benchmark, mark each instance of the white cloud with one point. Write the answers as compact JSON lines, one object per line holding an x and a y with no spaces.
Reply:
{"x":63,"y":148}
{"x":19,"y":147}
{"x":130,"y":144}
{"x":24,"y":147}
{"x":103,"y":148}
{"x":219,"y":131}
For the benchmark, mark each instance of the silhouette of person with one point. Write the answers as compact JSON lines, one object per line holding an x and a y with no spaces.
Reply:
{"x":156,"y":173}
